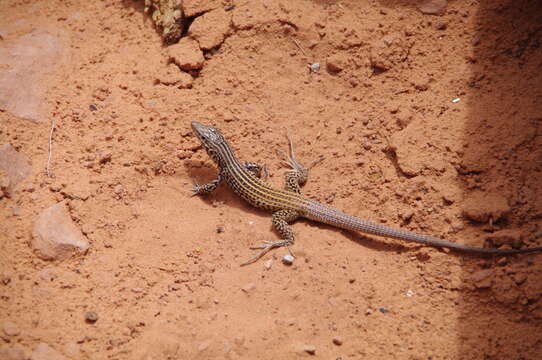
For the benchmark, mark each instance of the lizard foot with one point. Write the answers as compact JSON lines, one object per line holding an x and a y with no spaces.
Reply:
{"x":268,"y":246}
{"x":290,"y":160}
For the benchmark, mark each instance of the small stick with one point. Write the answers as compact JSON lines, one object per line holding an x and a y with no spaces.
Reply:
{"x":50,"y":147}
{"x":299,"y":46}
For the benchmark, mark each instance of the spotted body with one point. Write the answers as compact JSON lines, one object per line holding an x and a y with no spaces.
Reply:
{"x":288,"y":204}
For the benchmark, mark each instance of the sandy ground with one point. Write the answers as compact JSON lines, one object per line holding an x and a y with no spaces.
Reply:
{"x":429,"y":123}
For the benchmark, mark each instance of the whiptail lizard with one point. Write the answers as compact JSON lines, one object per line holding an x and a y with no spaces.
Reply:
{"x":288,"y":205}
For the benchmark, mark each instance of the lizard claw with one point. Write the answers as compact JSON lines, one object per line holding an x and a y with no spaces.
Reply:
{"x":196,"y":189}
{"x":268,"y":246}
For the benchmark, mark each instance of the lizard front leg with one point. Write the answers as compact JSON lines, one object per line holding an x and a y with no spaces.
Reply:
{"x":260,"y":171}
{"x":281,"y":220}
{"x":206,"y":188}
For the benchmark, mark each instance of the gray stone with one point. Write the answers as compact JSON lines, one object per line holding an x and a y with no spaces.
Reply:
{"x":25,"y":65}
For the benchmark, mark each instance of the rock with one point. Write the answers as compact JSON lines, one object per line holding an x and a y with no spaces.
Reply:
{"x":27,"y":63}
{"x":211,"y":28}
{"x":14,"y":168}
{"x":248,"y":287}
{"x":314,"y":67}
{"x":118,"y":189}
{"x":433,"y":7}
{"x":91,"y":317}
{"x":196,"y":7}
{"x":45,"y":352}
{"x":337,"y":341}
{"x":512,"y":238}
{"x":483,"y":207}
{"x":187,"y":54}
{"x":309,"y":349}
{"x":104,"y":157}
{"x":172,"y":75}
{"x":267,"y":265}
{"x":288,"y":259}
{"x":204,"y":346}
{"x":482,"y":279}
{"x":15,"y":352}
{"x":5,"y":278}
{"x":55,"y":236}
{"x":10,"y":329}
{"x":335,"y":63}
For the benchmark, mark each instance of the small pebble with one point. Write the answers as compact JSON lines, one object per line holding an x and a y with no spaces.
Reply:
{"x":104,"y":157}
{"x":91,"y":317}
{"x":383,"y":310}
{"x":456,"y":100}
{"x":315,"y":67}
{"x":309,"y":349}
{"x":267,"y":265}
{"x":248,"y":287}
{"x":15,"y":210}
{"x":220,"y":229}
{"x":337,"y":341}
{"x":10,"y":329}
{"x":92,"y":107}
{"x":5,"y":278}
{"x":368,"y":312}
{"x":409,"y":293}
{"x":287,"y":259}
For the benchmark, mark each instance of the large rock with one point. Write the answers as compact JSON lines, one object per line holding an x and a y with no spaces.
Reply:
{"x":26,"y":62}
{"x":55,"y":236}
{"x":211,"y":28}
{"x":14,"y":168}
{"x":187,"y":54}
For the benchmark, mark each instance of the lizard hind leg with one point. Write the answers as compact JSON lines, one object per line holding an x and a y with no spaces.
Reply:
{"x":299,"y":173}
{"x":281,"y":220}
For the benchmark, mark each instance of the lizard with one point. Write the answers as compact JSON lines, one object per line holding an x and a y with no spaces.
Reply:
{"x":288,"y":204}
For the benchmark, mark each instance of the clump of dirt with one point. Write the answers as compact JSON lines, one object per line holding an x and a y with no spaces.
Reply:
{"x":427,"y":114}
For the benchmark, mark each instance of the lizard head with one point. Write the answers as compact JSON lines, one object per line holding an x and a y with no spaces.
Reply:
{"x":211,"y":139}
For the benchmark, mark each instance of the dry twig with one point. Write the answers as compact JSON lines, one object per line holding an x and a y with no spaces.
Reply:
{"x":299,"y":46}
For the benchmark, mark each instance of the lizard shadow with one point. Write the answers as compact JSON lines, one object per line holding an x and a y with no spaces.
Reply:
{"x":393,"y":245}
{"x":383,"y":244}
{"x":223,"y":194}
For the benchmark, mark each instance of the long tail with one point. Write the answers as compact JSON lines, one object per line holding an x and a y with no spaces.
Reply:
{"x":328,"y":215}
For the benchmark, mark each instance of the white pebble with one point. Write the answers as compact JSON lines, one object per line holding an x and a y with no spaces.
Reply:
{"x":288,"y":259}
{"x":315,"y":67}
